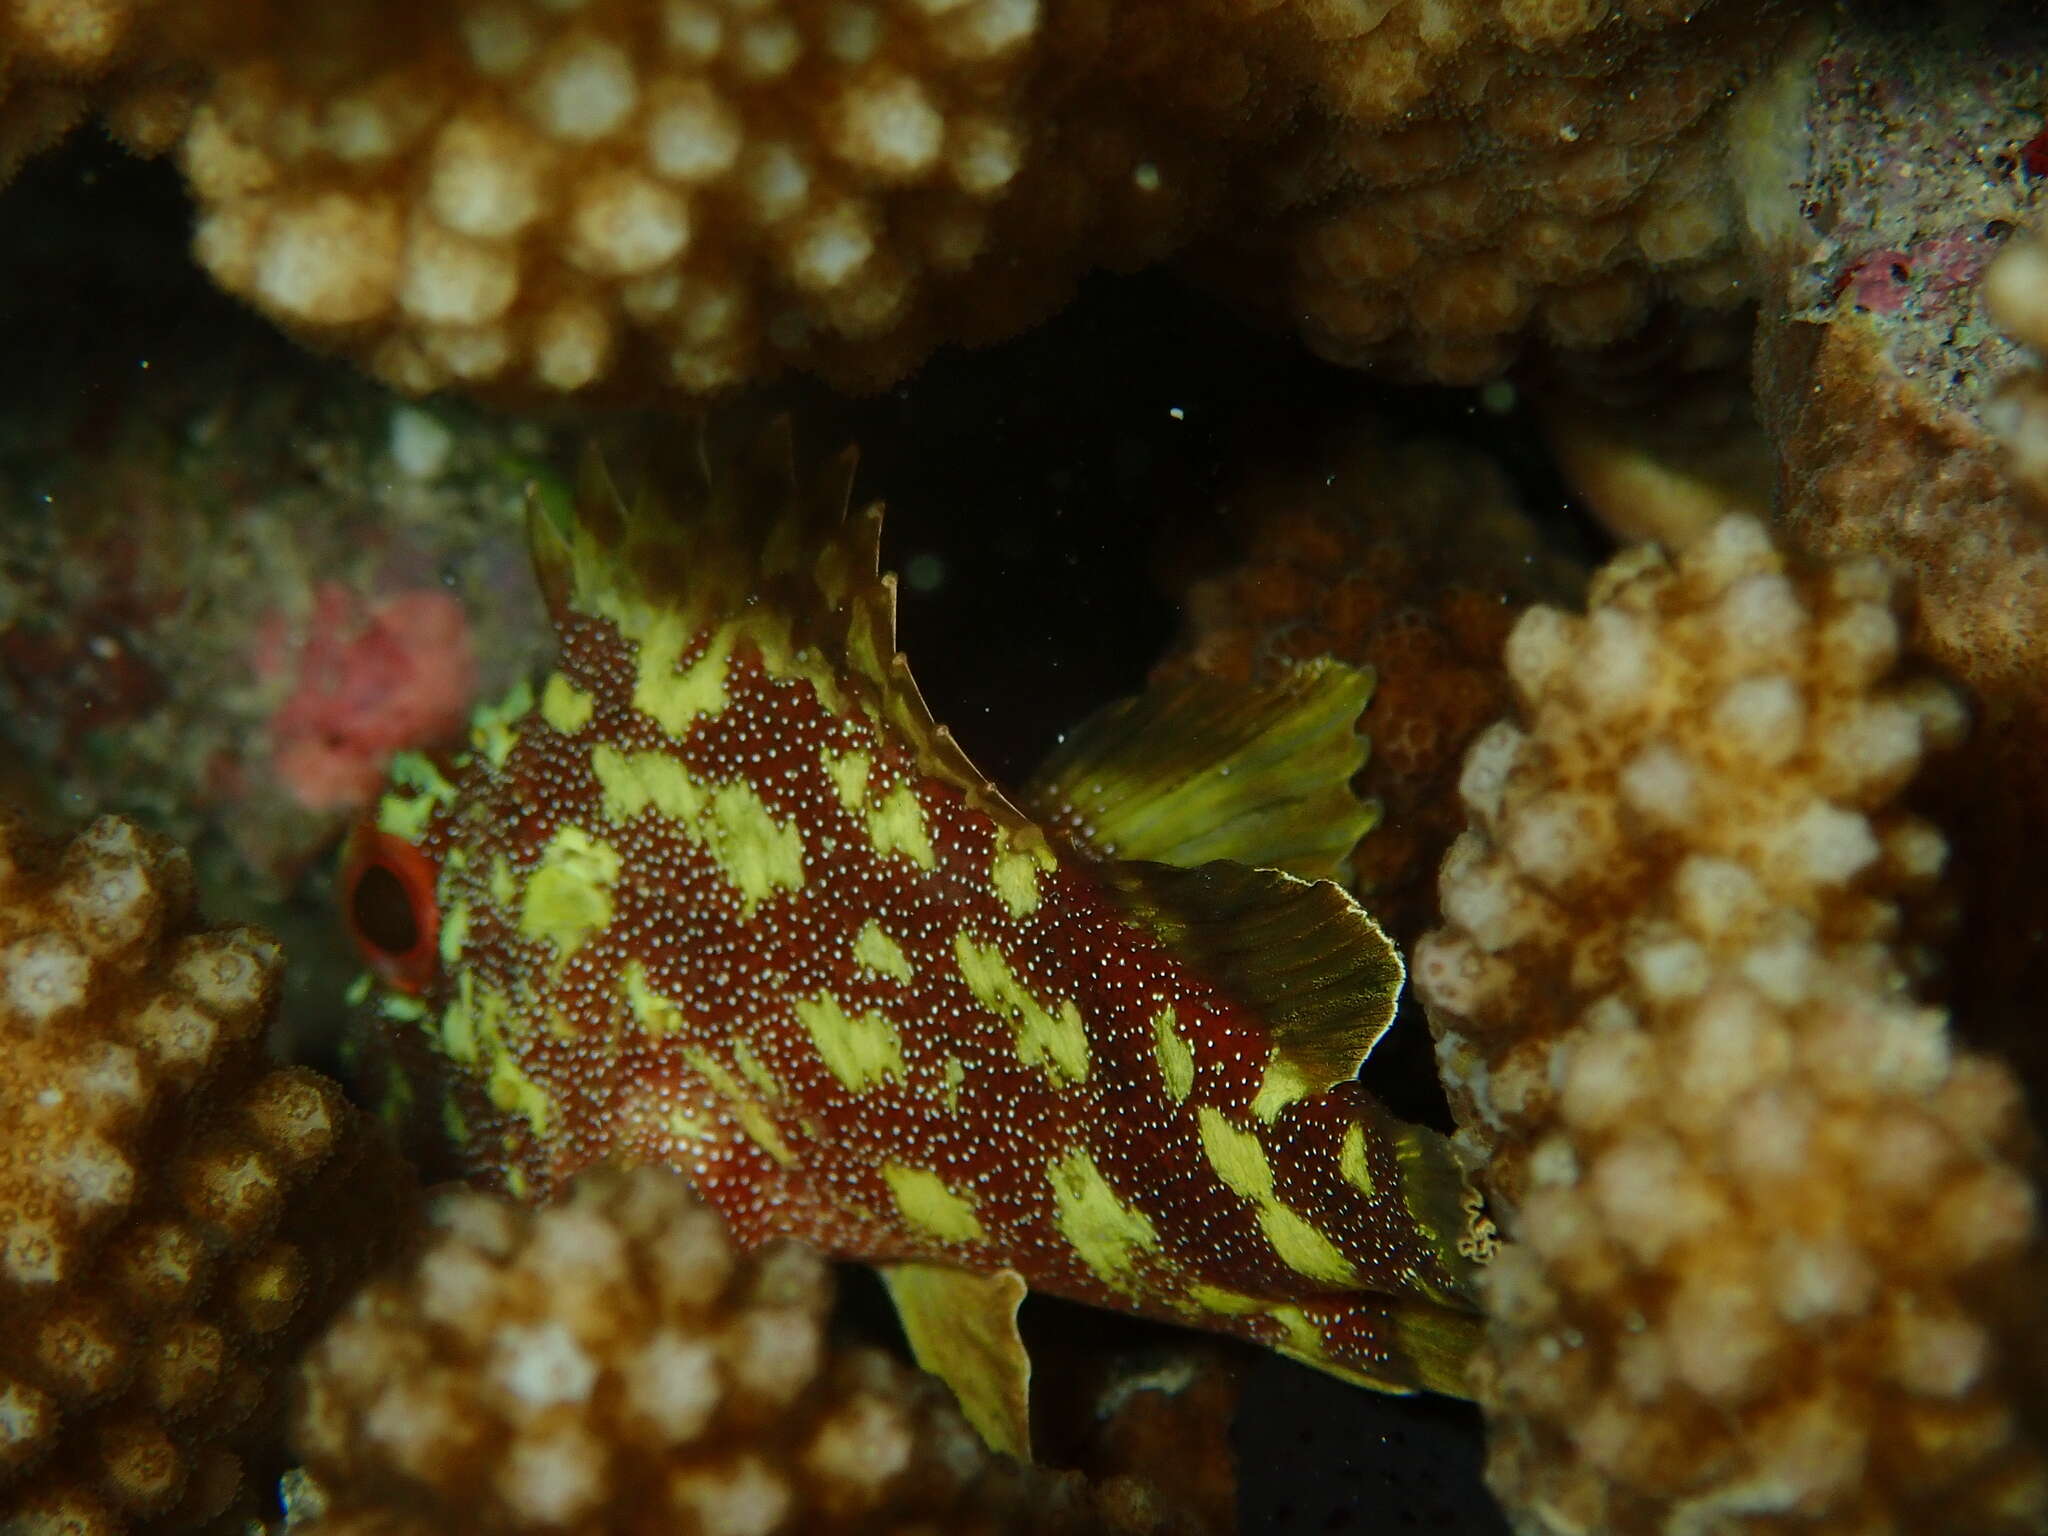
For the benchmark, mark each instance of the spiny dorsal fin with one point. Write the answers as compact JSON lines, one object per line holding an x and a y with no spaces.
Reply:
{"x":1198,"y":769}
{"x":1302,"y":955}
{"x":962,"y":1327}
{"x":715,"y":526}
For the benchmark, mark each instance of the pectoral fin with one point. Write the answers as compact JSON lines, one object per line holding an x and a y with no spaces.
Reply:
{"x":1198,"y":769}
{"x":962,"y":1328}
{"x":1306,"y":958}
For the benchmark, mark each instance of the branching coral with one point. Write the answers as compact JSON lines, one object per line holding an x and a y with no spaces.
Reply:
{"x":48,"y":52}
{"x":1489,"y":171}
{"x":1877,"y":372}
{"x":1775,"y":1261}
{"x":1411,"y":558}
{"x":176,"y":1214}
{"x":2016,"y":295}
{"x":61,"y":58}
{"x":540,"y":197}
{"x":537,"y":198}
{"x":612,"y":1364}
{"x":544,"y":198}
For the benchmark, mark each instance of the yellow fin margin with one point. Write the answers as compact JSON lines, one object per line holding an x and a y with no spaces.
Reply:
{"x":1321,"y":974}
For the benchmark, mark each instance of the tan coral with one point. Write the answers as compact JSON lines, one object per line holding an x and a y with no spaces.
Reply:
{"x":1774,"y":1257}
{"x":1879,"y":361}
{"x":1412,"y":558}
{"x":176,"y":1214}
{"x":33,"y":114}
{"x":1501,"y":170}
{"x":60,"y":59}
{"x":542,"y":198}
{"x":51,"y":51}
{"x":538,"y":199}
{"x":612,"y":1364}
{"x":1870,"y":464}
{"x":2015,"y":293}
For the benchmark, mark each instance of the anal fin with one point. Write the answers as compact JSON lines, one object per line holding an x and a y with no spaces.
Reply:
{"x":962,"y":1328}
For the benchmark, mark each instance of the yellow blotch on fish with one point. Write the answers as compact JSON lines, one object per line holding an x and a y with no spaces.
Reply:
{"x":723,"y":895}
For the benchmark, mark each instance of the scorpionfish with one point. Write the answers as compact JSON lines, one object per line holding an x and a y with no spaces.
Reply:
{"x":718,"y":893}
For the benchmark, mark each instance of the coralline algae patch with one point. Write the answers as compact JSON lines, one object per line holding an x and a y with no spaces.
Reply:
{"x":1923,"y":157}
{"x":368,"y":678}
{"x":1887,"y":282}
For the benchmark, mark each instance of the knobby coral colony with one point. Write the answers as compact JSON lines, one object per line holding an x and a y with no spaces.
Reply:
{"x":725,"y":898}
{"x":546,"y":197}
{"x":1773,"y":1256}
{"x":612,"y":1364}
{"x":178,"y":1215}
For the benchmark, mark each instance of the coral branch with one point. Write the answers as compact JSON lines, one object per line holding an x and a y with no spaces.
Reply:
{"x":1774,"y":1251}
{"x":177,"y":1215}
{"x":614,"y":1364}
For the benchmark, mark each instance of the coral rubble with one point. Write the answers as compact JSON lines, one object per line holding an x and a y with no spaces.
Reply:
{"x":177,"y":1214}
{"x":1774,"y":1258}
{"x":614,"y":1364}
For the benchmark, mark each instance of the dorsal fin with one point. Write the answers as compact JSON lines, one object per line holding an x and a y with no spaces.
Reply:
{"x":1302,"y":955}
{"x":1199,"y":769}
{"x":715,"y":526}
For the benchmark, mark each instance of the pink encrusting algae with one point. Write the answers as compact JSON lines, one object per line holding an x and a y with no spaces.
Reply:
{"x":370,"y":680}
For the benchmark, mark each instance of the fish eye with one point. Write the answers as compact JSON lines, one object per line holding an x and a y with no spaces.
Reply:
{"x":387,"y":899}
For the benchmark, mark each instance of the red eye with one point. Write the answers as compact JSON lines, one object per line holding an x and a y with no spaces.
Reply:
{"x":387,"y":897}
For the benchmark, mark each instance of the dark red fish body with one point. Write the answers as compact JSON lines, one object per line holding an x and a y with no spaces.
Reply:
{"x":722,"y":897}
